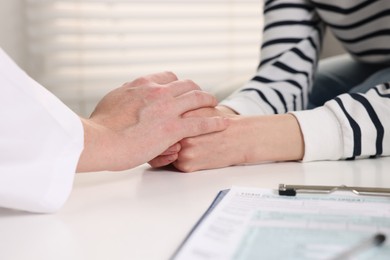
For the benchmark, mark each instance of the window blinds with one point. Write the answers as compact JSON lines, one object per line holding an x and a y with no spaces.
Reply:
{"x":81,"y":49}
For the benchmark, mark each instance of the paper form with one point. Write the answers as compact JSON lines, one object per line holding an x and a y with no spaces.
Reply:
{"x":253,"y":223}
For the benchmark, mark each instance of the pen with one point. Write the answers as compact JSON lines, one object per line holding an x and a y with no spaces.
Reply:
{"x":373,"y":241}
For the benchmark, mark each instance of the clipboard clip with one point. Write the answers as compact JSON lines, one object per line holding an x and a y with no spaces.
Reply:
{"x":293,"y":190}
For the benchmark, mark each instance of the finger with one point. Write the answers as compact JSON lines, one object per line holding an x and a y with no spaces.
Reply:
{"x":226,"y":110}
{"x":163,"y":160}
{"x":211,"y":111}
{"x":172,"y":149}
{"x":194,"y":100}
{"x":195,"y":126}
{"x":207,"y":111}
{"x":185,"y":166}
{"x":180,"y":87}
{"x":162,"y":77}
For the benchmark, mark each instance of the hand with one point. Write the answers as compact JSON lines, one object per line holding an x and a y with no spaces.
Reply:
{"x":229,"y":147}
{"x":172,"y":153}
{"x":138,"y":121}
{"x":246,"y":140}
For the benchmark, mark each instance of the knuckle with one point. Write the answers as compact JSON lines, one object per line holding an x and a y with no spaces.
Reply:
{"x":191,"y":83}
{"x":184,"y":167}
{"x":156,"y":92}
{"x":199,"y":96}
{"x":171,"y":75}
{"x":129,"y":85}
{"x":204,"y":97}
{"x":126,"y":84}
{"x":141,"y":81}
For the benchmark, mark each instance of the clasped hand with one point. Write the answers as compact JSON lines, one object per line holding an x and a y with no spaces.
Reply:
{"x":140,"y":120}
{"x":214,"y":150}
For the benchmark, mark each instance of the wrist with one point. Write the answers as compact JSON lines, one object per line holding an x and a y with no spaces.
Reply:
{"x":272,"y":138}
{"x":94,"y":155}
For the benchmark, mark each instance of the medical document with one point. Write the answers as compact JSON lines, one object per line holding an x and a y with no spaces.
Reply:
{"x":250,"y":223}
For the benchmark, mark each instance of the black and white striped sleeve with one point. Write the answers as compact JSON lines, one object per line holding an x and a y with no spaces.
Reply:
{"x":348,"y":127}
{"x":292,"y":37}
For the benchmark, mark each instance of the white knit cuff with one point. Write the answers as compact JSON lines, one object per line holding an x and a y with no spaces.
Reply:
{"x":244,"y":104}
{"x":321,"y":133}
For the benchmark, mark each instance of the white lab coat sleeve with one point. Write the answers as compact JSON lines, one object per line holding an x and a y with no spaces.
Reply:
{"x":41,"y":140}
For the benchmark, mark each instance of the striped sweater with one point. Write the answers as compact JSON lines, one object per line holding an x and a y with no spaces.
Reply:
{"x":347,"y":127}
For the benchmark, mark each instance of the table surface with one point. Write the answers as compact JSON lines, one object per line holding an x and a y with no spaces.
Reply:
{"x":145,"y":213}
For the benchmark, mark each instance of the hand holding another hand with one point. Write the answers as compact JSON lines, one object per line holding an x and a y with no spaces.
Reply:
{"x":139,"y":120}
{"x":204,"y":151}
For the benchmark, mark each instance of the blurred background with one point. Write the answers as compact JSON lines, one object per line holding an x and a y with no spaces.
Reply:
{"x":81,"y":49}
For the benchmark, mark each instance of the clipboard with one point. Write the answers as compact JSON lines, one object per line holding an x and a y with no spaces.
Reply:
{"x":293,"y":190}
{"x":290,"y":222}
{"x":221,"y":194}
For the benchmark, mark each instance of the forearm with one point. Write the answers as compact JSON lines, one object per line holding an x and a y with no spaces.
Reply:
{"x":247,"y":140}
{"x":104,"y":149}
{"x":273,"y":138}
{"x":288,"y":61}
{"x":350,"y":126}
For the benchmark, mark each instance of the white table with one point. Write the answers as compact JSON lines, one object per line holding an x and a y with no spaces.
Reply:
{"x":145,"y":214}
